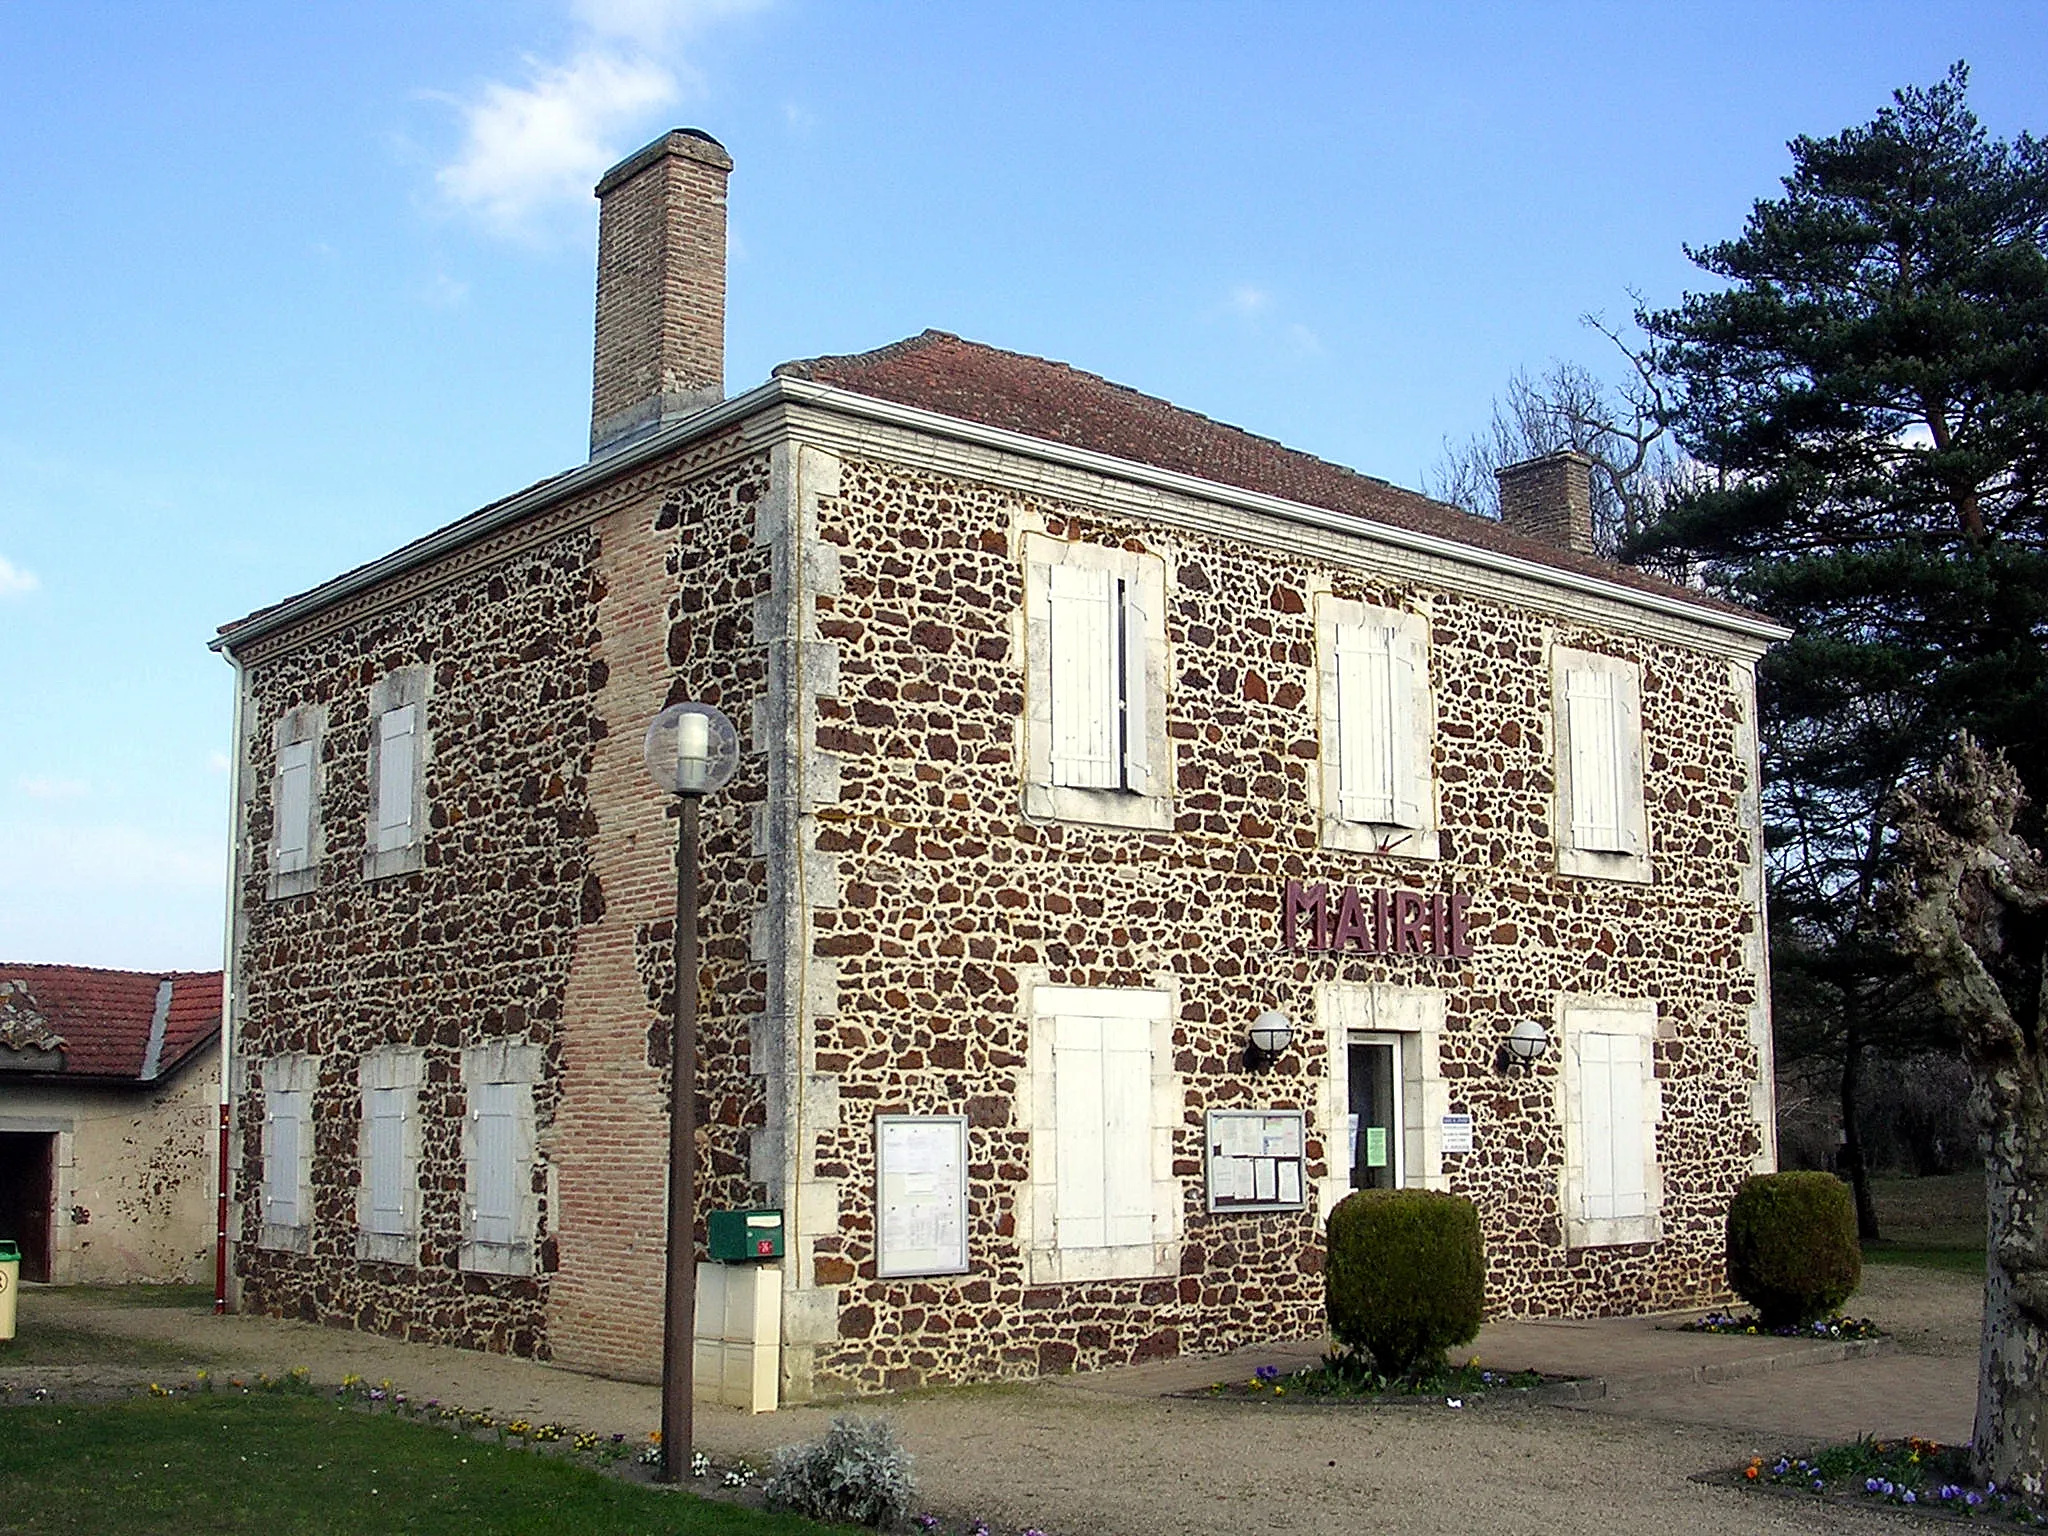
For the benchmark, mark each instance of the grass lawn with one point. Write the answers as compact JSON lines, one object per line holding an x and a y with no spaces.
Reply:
{"x":281,"y":1464}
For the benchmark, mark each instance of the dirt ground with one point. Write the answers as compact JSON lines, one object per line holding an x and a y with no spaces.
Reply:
{"x":1096,"y":1457}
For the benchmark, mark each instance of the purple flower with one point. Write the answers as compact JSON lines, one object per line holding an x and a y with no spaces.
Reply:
{"x":1973,"y":1498}
{"x":927,"y":1522}
{"x":1267,"y":1374}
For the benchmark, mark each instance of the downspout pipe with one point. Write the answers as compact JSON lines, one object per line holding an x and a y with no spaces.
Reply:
{"x":231,"y":947}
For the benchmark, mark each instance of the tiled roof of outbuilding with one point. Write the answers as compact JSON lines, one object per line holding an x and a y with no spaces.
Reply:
{"x":937,"y":371}
{"x":105,"y":1017}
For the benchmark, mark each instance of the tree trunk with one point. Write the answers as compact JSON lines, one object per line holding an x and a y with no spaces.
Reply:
{"x":1854,"y":1168}
{"x":1969,"y":905}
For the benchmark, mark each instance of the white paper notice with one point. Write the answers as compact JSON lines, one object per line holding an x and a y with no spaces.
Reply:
{"x":1457,"y":1131}
{"x":922,"y":1196}
{"x":1290,"y":1182}
{"x":1265,"y":1182}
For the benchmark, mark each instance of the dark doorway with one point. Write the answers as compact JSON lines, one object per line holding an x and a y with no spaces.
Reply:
{"x":28,"y":1193}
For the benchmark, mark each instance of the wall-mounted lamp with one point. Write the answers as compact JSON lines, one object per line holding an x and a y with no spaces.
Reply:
{"x":1527,"y":1043}
{"x":1271,"y":1033}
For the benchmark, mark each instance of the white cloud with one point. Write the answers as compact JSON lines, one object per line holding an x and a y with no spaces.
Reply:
{"x":217,"y":762}
{"x":540,"y":144}
{"x":45,"y":787}
{"x":110,"y":856}
{"x":1247,"y":300}
{"x":14,"y":581}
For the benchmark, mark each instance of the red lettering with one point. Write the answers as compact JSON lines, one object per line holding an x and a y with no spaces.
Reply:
{"x":1461,"y":932}
{"x":1408,"y":911}
{"x":1382,"y":929}
{"x":1302,"y":902}
{"x":1351,"y":930}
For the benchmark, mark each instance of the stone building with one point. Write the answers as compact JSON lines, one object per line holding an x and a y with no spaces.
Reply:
{"x":109,"y":1116}
{"x":1080,"y":732}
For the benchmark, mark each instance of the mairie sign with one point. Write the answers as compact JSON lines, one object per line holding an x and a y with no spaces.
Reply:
{"x":1342,"y":919}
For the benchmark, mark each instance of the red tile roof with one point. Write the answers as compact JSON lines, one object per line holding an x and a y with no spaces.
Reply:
{"x":105,"y":1017}
{"x":939,"y":372}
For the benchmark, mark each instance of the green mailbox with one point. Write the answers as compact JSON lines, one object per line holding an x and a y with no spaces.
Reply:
{"x":745,"y":1237}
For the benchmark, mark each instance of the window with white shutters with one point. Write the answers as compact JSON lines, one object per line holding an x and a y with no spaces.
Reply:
{"x":1095,"y":732}
{"x":294,"y":806}
{"x":1377,"y":722}
{"x":1612,"y":1187}
{"x":1602,"y":815}
{"x":494,"y":1194}
{"x":285,"y":1133}
{"x":384,"y":1160}
{"x":1104,"y":1203}
{"x":397,"y":737}
{"x":1103,"y":1114}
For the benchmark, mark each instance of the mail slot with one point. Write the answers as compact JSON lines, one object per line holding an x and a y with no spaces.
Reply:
{"x":745,"y":1237}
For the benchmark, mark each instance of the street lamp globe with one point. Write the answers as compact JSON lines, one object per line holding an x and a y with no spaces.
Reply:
{"x":692,"y":749}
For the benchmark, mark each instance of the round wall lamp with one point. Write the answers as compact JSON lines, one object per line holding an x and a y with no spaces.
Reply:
{"x":1271,"y":1033}
{"x":1527,"y":1043}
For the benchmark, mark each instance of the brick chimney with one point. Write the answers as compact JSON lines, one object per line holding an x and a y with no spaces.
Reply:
{"x":660,"y":288}
{"x":1551,"y":499}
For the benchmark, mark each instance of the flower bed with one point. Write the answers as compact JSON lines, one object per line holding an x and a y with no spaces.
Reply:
{"x":1837,"y":1327}
{"x":1921,"y":1475}
{"x":1350,"y":1377}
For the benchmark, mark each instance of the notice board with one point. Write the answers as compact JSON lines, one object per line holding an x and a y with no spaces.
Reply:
{"x":920,"y":1195}
{"x":1255,"y":1159}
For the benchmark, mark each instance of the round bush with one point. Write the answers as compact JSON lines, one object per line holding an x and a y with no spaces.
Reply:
{"x":1406,"y":1276}
{"x":1792,"y":1250}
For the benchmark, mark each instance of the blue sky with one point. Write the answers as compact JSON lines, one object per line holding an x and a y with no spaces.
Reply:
{"x":283,"y":286}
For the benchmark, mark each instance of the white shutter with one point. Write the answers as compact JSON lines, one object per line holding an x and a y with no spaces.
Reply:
{"x":293,"y":805}
{"x":1598,"y":746}
{"x":1612,"y":1127}
{"x":1408,"y":724}
{"x":493,"y":1185}
{"x":1131,"y":674}
{"x":1084,"y":682}
{"x":384,"y":1157}
{"x":1367,"y":767}
{"x":397,"y":732}
{"x":1630,"y":815}
{"x":1080,"y":1153}
{"x":284,"y":1129}
{"x":1127,"y":1132}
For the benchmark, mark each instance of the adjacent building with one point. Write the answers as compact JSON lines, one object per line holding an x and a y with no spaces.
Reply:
{"x":109,"y":1108}
{"x":1081,"y":733}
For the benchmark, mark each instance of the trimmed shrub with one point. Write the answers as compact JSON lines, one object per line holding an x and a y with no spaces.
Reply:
{"x":1792,"y":1250}
{"x":1406,"y":1276}
{"x":856,"y":1475}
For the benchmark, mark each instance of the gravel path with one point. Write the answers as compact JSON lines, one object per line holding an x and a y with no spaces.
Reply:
{"x":1080,"y":1458}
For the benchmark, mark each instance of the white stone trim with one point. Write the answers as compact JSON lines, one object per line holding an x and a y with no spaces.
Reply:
{"x":1756,"y":906}
{"x":293,"y":1078}
{"x":400,"y":1068}
{"x":304,"y":725}
{"x":517,"y":1063}
{"x":1147,"y":811}
{"x":1038,"y":1211}
{"x":1416,"y":1014}
{"x":1577,"y":1015}
{"x":1405,"y":842}
{"x":406,"y":685}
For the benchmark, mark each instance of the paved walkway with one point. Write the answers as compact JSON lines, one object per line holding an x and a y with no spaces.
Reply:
{"x":1110,"y":1454}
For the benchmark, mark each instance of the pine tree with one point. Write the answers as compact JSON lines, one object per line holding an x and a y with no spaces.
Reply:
{"x":1868,"y":397}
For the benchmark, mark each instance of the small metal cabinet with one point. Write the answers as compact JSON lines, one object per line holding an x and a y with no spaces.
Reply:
{"x":745,"y":1237}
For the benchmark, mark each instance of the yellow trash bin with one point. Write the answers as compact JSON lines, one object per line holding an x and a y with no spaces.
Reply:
{"x":10,"y":1285}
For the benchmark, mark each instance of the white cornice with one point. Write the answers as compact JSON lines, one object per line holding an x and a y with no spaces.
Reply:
{"x":1350,"y":528}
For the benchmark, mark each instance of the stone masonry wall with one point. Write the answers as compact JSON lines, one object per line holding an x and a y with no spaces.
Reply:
{"x":952,"y":905}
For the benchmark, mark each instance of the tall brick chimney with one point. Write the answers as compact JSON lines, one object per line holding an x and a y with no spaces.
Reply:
{"x":660,"y":288}
{"x":1550,"y":498}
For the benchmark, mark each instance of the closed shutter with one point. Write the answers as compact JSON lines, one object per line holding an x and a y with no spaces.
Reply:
{"x":1085,"y":683}
{"x":1127,"y":1132}
{"x":385,"y":1173}
{"x":1631,"y":815}
{"x":1102,"y":1113}
{"x":1409,"y":724}
{"x":294,"y":805}
{"x":397,"y":735}
{"x":493,"y":1185}
{"x":1131,"y":674}
{"x":1369,"y":766}
{"x":1599,"y":751}
{"x":1612,"y":1128}
{"x":284,"y":1130}
{"x":1080,"y":1153}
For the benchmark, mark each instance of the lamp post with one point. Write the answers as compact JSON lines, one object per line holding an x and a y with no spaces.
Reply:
{"x":692,"y":749}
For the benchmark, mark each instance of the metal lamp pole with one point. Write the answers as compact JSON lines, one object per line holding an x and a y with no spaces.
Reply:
{"x":692,"y":749}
